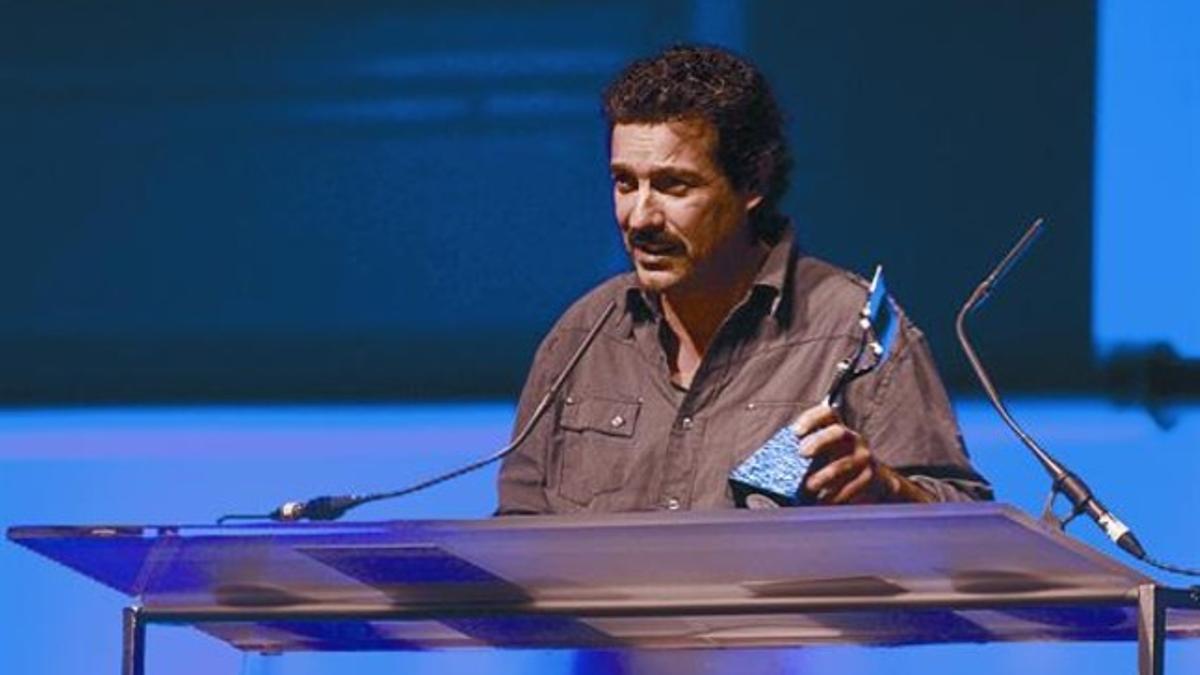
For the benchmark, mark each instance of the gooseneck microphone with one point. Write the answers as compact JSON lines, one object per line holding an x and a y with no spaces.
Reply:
{"x":335,"y":506}
{"x":1065,"y":482}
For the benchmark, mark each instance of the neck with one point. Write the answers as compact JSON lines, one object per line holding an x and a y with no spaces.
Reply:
{"x":695,"y":311}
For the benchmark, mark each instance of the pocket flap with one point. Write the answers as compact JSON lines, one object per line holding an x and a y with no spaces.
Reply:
{"x":609,"y":416}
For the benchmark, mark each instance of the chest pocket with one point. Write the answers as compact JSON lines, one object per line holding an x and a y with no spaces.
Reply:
{"x":596,"y":437}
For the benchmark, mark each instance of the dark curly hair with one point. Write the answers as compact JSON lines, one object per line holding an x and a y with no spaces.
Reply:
{"x":725,"y":90}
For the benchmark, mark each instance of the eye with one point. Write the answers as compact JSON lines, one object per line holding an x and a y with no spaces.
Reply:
{"x":624,"y":183}
{"x":672,"y":185}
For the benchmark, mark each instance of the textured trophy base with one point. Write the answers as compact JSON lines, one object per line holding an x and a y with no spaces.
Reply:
{"x":772,"y":476}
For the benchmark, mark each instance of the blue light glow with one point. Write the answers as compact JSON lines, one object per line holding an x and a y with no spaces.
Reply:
{"x":1147,"y":175}
{"x":189,"y":465}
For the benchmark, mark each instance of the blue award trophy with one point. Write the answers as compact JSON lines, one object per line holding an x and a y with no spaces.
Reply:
{"x":772,"y":476}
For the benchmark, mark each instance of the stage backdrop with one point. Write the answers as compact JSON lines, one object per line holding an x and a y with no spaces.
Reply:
{"x":321,"y":204}
{"x":313,"y":201}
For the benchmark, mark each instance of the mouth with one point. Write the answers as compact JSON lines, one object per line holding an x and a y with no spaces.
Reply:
{"x":658,"y":249}
{"x":653,"y":257}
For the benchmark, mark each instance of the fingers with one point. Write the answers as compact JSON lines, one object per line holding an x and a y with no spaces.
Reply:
{"x":843,"y":470}
{"x":827,"y":482}
{"x":827,"y":443}
{"x":860,"y":489}
{"x":814,"y":418}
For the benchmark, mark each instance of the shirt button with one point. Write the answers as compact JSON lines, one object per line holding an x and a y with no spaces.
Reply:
{"x":672,"y":504}
{"x":686,"y":423}
{"x":617,"y":421}
{"x":570,"y":400}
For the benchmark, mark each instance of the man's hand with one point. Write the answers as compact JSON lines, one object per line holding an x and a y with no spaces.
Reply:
{"x":844,"y":471}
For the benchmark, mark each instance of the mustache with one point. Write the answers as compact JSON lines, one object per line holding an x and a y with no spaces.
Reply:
{"x":654,"y":240}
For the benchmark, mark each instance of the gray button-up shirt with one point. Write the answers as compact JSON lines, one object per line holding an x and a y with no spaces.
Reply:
{"x":620,"y":437}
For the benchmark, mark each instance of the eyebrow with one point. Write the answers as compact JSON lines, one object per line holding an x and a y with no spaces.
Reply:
{"x":674,"y":171}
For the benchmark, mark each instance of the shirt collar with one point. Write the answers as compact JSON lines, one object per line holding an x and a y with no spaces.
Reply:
{"x":772,"y":276}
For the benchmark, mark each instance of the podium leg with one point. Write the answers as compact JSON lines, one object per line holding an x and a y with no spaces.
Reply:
{"x":133,"y":645}
{"x":1152,"y":628}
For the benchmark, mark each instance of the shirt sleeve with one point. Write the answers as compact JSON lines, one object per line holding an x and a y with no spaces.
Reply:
{"x":908,"y":422}
{"x":522,"y":477}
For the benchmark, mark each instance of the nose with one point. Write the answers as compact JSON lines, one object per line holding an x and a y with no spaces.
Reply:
{"x":646,"y":212}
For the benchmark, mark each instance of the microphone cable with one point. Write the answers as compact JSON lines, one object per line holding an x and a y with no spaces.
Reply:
{"x":332,"y":507}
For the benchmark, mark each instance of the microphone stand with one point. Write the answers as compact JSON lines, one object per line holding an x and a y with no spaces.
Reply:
{"x":1063,"y":481}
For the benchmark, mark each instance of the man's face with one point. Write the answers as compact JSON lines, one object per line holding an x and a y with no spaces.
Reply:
{"x":684,"y":225}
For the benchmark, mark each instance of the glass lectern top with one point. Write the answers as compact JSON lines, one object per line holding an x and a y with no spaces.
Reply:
{"x":880,"y":574}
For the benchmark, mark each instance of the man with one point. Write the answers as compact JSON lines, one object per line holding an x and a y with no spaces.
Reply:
{"x":723,"y":333}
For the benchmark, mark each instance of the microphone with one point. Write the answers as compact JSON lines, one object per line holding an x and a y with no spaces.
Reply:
{"x":332,"y":507}
{"x":319,"y":508}
{"x":1065,"y":482}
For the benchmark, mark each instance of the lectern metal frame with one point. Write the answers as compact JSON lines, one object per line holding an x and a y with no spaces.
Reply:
{"x":1152,"y":602}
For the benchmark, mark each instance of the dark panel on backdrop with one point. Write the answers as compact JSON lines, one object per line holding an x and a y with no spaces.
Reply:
{"x":300,"y":200}
{"x":297,"y":201}
{"x":927,"y":136}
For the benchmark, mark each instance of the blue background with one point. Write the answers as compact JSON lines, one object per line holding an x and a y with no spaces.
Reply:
{"x":260,"y":252}
{"x":190,"y":465}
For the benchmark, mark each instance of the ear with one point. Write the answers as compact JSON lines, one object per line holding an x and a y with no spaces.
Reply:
{"x":755,"y":193}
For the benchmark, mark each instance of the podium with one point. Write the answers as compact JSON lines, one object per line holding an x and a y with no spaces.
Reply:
{"x":876,"y":575}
